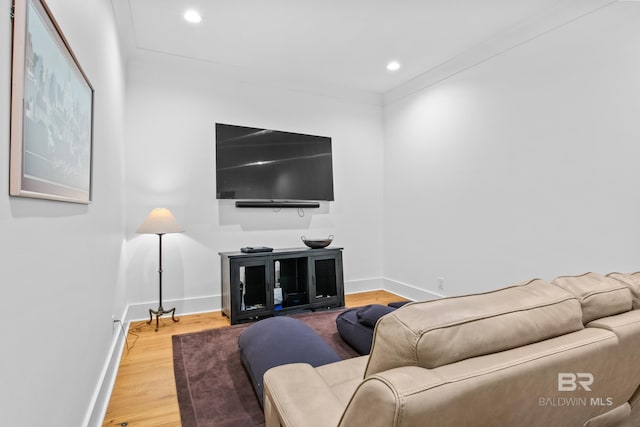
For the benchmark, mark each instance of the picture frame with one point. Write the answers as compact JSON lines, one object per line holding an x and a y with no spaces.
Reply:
{"x":52,"y":100}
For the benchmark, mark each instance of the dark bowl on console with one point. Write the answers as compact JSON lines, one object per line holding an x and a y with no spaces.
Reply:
{"x":317,"y":244}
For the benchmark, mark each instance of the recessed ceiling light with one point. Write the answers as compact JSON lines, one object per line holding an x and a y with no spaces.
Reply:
{"x":393,"y":66}
{"x":192,"y":16}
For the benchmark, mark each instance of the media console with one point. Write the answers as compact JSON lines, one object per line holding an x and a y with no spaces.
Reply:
{"x":263,"y":284}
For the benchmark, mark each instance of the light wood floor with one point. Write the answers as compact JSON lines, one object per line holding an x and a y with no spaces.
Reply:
{"x":144,"y":394}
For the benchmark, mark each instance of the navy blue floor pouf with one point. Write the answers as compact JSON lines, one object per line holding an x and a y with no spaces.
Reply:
{"x":277,"y":341}
{"x":356,"y":325}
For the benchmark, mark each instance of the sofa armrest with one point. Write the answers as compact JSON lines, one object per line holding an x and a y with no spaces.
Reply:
{"x":295,"y":395}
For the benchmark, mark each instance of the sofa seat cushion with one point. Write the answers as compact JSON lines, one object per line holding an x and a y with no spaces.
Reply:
{"x":626,"y":326}
{"x":296,"y":396}
{"x":278,"y":341}
{"x":343,"y":377}
{"x":632,"y":281}
{"x":599,"y":296}
{"x":434,"y":333}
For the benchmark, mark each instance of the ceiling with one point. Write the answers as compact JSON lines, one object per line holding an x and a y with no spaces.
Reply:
{"x":337,"y":43}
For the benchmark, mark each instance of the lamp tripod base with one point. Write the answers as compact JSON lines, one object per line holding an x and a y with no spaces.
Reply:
{"x":159,"y":312}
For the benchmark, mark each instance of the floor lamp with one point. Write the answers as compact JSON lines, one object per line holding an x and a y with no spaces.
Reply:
{"x":160,"y":221}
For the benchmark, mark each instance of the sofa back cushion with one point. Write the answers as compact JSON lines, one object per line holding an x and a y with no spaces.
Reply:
{"x":631,"y":281}
{"x":599,"y":296}
{"x":435,"y":333}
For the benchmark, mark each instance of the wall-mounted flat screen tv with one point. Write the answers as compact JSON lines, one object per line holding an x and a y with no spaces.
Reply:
{"x":264,"y":164}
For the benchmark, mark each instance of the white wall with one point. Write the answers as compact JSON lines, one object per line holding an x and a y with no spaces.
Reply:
{"x":60,"y":263}
{"x":172,"y":108}
{"x":522,"y":166}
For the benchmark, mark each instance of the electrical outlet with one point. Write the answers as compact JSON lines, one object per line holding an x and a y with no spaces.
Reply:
{"x":441,"y":283}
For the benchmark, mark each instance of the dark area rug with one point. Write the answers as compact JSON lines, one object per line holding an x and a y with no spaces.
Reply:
{"x":213,"y":387}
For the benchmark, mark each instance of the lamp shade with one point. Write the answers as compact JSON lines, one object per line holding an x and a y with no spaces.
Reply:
{"x":160,"y":221}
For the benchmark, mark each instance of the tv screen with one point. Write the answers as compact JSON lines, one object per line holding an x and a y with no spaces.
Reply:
{"x":264,"y":164}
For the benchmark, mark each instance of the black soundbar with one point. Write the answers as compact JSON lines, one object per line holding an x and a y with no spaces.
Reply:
{"x":274,"y":204}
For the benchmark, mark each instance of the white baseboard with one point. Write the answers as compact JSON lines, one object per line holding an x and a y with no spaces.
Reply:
{"x":102,"y":394}
{"x":140,"y":311}
{"x":363,"y":285}
{"x":409,"y":291}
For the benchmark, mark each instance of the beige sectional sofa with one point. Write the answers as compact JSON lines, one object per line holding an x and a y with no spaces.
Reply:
{"x":565,"y":353}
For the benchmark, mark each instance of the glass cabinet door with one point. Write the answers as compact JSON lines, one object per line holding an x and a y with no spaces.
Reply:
{"x":291,"y":282}
{"x":326,"y":278}
{"x":253,"y":287}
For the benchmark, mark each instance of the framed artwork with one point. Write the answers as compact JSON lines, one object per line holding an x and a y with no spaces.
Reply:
{"x":51,"y":111}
